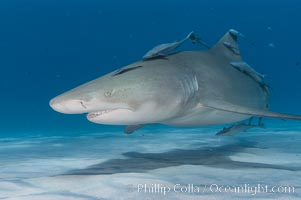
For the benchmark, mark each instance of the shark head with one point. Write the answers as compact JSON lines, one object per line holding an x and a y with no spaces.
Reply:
{"x":139,"y":93}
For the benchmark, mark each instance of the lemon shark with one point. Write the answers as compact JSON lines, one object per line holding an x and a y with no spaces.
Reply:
{"x":187,"y":88}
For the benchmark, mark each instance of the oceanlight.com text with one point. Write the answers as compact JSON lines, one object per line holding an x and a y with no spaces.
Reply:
{"x":252,"y":189}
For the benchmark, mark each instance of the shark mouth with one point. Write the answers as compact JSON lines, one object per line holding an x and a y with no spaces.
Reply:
{"x":98,"y":114}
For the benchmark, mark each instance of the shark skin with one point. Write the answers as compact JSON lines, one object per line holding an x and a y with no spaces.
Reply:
{"x":188,"y":88}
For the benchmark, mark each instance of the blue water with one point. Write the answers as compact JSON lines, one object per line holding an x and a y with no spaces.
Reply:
{"x":49,"y":46}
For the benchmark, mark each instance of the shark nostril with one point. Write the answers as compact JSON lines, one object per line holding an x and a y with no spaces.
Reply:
{"x":83,"y":105}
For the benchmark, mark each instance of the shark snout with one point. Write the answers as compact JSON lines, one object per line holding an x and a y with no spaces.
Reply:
{"x":73,"y":106}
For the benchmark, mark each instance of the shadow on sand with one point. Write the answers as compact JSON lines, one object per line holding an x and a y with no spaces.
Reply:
{"x":218,"y":157}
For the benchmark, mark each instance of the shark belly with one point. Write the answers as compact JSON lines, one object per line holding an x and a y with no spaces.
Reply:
{"x":205,"y":117}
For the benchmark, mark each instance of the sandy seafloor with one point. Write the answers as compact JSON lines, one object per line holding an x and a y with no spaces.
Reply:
{"x":112,"y":165}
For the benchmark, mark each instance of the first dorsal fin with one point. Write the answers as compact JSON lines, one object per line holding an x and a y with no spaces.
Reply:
{"x":228,"y":46}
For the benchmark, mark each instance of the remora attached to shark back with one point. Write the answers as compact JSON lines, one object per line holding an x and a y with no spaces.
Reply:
{"x":189,"y":88}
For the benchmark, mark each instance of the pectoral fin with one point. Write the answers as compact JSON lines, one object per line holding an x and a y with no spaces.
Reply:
{"x":132,"y":128}
{"x":229,"y":107}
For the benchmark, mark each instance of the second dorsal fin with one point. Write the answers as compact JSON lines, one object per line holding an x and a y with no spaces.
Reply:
{"x":228,"y":46}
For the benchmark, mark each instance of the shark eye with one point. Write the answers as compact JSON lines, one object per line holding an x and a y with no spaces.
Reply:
{"x":109,"y":93}
{"x":122,"y":71}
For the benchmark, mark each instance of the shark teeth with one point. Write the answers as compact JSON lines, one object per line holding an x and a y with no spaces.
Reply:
{"x":99,"y":113}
